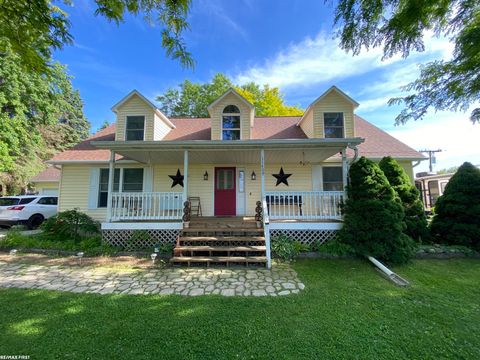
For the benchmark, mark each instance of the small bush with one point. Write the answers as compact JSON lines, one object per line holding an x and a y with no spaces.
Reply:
{"x":284,"y":247}
{"x":165,"y":248}
{"x":457,"y":211}
{"x":70,"y":225}
{"x":334,"y":247}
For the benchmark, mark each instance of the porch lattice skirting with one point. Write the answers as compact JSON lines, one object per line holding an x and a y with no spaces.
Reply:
{"x":122,"y":238}
{"x":307,"y":237}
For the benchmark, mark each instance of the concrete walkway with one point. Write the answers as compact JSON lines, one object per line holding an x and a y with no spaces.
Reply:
{"x":281,"y":280}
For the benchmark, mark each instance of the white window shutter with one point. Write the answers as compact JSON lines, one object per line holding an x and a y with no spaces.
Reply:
{"x":93,"y":188}
{"x":147,"y":179}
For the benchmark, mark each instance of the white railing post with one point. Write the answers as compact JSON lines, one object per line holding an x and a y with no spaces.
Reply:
{"x":344,"y":169}
{"x":185,"y":176}
{"x":111,"y":176}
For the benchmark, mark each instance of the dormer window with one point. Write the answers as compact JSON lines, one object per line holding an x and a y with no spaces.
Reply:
{"x":333,"y":124}
{"x":135,"y":128}
{"x":231,"y":123}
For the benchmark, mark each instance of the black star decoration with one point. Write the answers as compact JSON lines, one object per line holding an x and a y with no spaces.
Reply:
{"x":177,"y":179}
{"x":281,"y":177}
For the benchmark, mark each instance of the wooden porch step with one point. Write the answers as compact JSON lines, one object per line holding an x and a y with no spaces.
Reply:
{"x":219,"y":259}
{"x":221,"y":248}
{"x":218,"y":229}
{"x":221,"y":238}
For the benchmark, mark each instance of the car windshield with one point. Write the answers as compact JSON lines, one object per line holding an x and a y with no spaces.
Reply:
{"x":9,"y":201}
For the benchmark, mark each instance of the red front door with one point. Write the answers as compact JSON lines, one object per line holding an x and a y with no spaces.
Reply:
{"x":225,"y":192}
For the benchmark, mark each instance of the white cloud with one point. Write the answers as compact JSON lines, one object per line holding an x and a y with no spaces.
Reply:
{"x":320,"y":60}
{"x":214,"y":7}
{"x":451,"y":132}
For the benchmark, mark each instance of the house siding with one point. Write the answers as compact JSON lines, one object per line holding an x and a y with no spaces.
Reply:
{"x":47,"y":185}
{"x":333,"y":102}
{"x":74,"y":191}
{"x":307,"y":125}
{"x":135,"y":106}
{"x":246,"y":117}
{"x":160,"y":128}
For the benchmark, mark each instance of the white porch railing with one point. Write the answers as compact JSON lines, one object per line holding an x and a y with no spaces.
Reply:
{"x":146,"y":206}
{"x":305,"y":205}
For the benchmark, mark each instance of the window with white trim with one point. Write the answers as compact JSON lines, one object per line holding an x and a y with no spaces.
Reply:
{"x":333,"y":125}
{"x":332,"y":178}
{"x":135,"y":128}
{"x":125,"y":180}
{"x":231,"y":123}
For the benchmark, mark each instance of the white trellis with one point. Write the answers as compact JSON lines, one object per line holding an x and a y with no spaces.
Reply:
{"x":122,"y":238}
{"x":307,"y":237}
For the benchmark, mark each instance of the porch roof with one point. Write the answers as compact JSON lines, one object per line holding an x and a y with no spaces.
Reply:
{"x":235,"y":151}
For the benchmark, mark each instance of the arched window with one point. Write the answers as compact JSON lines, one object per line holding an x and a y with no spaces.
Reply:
{"x":231,"y":123}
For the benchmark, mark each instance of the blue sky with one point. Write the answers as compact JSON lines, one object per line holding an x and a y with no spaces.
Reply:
{"x":288,"y":43}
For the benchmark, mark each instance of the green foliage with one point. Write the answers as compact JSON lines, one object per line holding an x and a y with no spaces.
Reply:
{"x":299,"y":247}
{"x":92,"y":246}
{"x":70,"y":225}
{"x":165,"y":248}
{"x":374,"y":216}
{"x":136,"y":239}
{"x":415,"y":218}
{"x":284,"y":247}
{"x":37,"y":28}
{"x":192,"y":99}
{"x":457,"y":211}
{"x":334,"y":247}
{"x":400,"y":27}
{"x":40,"y":115}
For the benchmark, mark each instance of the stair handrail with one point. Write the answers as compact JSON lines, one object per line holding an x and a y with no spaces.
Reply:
{"x":266,"y":231}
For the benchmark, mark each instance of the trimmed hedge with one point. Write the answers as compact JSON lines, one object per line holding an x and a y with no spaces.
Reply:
{"x":457,"y":211}
{"x":374,"y":221}
{"x":415,"y":219}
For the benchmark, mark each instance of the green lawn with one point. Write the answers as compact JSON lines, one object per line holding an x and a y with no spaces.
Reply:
{"x":346,"y":311}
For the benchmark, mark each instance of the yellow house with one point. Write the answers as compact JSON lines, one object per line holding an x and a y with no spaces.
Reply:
{"x":138,"y":173}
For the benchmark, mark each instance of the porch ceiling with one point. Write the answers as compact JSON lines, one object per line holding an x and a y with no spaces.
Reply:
{"x":227,"y":152}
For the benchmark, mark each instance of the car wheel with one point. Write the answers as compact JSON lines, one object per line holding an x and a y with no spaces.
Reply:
{"x":35,"y":221}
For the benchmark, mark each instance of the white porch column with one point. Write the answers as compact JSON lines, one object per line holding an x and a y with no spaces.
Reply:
{"x":185,"y":175}
{"x":345,"y":169}
{"x":262,"y":172}
{"x":111,"y":176}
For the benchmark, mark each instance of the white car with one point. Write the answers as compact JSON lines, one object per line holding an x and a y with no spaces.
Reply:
{"x":30,"y":210}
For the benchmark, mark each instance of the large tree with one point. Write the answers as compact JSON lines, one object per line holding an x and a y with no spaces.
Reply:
{"x":192,"y":99}
{"x":35,"y":28}
{"x":39,"y":115}
{"x":399,"y":26}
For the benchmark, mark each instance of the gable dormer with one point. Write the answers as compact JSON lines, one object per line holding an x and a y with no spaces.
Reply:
{"x":330,"y":116}
{"x":232,"y":117}
{"x":139,"y":120}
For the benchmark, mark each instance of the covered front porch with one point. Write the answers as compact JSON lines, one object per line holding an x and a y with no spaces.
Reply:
{"x":229,"y":178}
{"x":281,"y":184}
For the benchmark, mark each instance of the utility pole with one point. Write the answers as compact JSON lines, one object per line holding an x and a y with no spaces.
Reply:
{"x":431,"y":157}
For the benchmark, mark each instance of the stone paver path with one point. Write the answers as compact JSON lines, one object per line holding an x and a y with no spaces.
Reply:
{"x":281,"y":280}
